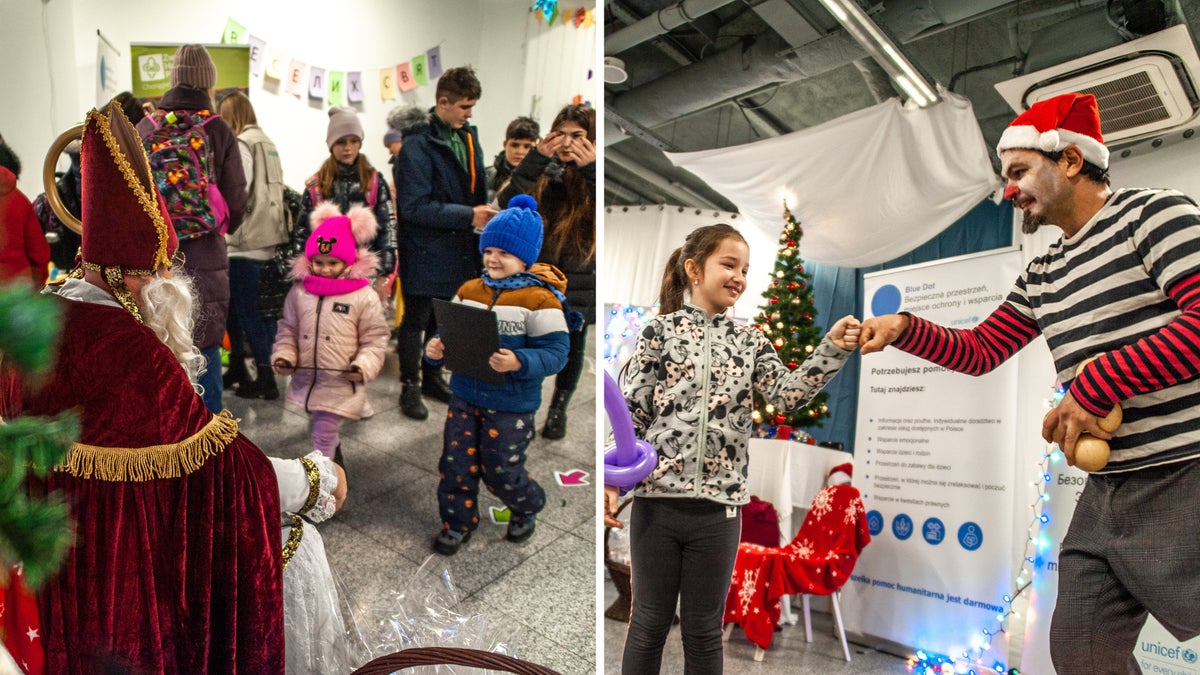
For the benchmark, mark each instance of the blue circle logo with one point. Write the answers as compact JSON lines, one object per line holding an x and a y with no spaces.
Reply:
{"x":970,"y":536}
{"x":874,"y":522}
{"x":934,"y":531}
{"x":902,"y":527}
{"x":886,"y":300}
{"x":1189,"y":656}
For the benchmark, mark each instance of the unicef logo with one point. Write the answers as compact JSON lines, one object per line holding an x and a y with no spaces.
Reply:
{"x":874,"y":523}
{"x":1189,"y":656}
{"x":902,"y":527}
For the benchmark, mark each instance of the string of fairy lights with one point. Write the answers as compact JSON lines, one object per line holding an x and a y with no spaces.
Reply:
{"x":971,"y":661}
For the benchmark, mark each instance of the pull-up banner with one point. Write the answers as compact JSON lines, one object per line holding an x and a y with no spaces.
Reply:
{"x":935,"y":458}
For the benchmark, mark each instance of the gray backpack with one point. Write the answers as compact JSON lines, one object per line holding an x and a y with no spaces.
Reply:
{"x":267,"y":221}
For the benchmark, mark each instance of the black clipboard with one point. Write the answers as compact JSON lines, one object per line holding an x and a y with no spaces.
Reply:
{"x":470,"y":335}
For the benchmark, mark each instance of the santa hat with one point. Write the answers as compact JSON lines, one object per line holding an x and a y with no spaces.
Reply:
{"x":126,"y":225}
{"x":1055,"y":123}
{"x":840,"y":474}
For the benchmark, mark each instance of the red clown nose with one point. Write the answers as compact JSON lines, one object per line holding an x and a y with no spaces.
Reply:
{"x":1010,"y":192}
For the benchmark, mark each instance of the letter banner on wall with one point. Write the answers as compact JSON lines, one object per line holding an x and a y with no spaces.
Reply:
{"x":151,"y":65}
{"x":935,"y":460}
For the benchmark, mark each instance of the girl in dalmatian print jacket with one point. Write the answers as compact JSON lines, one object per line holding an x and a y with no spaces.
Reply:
{"x":689,"y":389}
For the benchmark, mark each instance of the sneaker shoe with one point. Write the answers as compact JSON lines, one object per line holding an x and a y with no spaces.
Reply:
{"x":433,"y":386}
{"x":519,"y":531}
{"x":410,"y":401}
{"x":448,"y":543}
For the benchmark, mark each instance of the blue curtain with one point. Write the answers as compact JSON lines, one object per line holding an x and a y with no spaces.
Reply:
{"x":837,"y":291}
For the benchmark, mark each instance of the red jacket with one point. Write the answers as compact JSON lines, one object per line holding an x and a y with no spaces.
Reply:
{"x":24,"y":252}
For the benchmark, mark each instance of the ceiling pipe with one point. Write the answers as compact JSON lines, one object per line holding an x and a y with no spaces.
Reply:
{"x":684,"y":194}
{"x":659,"y":23}
{"x":770,"y":60}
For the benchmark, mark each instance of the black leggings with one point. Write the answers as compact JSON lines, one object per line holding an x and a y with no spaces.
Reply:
{"x":568,"y":377}
{"x":680,"y":549}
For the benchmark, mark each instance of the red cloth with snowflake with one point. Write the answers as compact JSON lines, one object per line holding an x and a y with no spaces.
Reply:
{"x":817,"y":562}
{"x":20,"y":630}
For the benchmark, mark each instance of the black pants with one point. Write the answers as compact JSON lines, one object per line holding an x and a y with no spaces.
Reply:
{"x":680,"y":549}
{"x":418,"y":326}
{"x":568,"y":378}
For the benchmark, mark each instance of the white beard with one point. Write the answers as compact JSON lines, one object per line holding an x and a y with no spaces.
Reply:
{"x":169,"y":308}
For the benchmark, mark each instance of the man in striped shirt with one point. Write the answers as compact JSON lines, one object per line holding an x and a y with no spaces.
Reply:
{"x":1123,"y":284}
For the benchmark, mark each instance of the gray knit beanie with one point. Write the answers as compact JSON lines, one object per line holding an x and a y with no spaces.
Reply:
{"x":343,"y":121}
{"x":193,"y":67}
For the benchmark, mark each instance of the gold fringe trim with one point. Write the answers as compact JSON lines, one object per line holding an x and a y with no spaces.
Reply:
{"x":147,"y":199}
{"x":154,"y":462}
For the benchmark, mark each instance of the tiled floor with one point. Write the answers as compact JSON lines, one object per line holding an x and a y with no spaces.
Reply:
{"x":789,"y":653}
{"x":540,"y":594}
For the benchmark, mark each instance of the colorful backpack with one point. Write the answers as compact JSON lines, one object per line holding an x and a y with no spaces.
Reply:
{"x":181,"y":160}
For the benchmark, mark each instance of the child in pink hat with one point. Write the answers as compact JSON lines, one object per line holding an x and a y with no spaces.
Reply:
{"x":333,"y":335}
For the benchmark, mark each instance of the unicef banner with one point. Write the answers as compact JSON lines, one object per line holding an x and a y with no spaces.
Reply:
{"x":935,"y":460}
{"x":1156,"y":650}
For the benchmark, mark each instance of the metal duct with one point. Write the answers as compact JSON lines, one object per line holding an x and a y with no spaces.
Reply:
{"x":661,"y":22}
{"x":770,"y":59}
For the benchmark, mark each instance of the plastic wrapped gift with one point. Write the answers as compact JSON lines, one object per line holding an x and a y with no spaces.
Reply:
{"x":425,"y":612}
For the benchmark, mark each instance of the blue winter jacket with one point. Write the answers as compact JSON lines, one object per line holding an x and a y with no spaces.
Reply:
{"x":435,"y":198}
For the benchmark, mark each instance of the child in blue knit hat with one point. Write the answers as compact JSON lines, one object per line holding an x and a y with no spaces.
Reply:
{"x":489,"y":426}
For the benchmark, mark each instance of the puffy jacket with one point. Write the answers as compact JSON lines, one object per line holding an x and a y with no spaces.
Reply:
{"x":347,"y":192}
{"x":334,"y":332}
{"x":24,"y":252}
{"x":533,"y":326}
{"x":435,"y":200}
{"x":689,"y":388}
{"x":581,"y":275}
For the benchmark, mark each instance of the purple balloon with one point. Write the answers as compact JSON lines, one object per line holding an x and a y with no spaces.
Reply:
{"x":629,"y":460}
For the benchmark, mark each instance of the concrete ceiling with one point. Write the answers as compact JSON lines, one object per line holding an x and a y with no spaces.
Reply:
{"x":707,"y":74}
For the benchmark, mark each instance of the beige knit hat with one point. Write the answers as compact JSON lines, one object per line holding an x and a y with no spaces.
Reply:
{"x":343,"y":121}
{"x":193,"y":67}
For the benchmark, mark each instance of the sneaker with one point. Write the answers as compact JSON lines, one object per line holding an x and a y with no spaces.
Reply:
{"x":433,"y":386}
{"x":519,"y":531}
{"x":410,"y":401}
{"x":448,"y":543}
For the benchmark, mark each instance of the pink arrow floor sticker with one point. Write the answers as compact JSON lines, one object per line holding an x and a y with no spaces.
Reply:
{"x":572,"y":478}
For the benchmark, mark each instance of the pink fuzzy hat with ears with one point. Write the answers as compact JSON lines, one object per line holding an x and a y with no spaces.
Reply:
{"x":345,"y":237}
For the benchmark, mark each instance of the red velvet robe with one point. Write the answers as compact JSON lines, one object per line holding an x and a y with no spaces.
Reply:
{"x":175,"y":575}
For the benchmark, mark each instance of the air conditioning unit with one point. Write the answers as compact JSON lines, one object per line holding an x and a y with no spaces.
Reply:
{"x":1144,"y":87}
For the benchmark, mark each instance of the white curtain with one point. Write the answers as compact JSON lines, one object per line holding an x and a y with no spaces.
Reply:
{"x":866,"y":187}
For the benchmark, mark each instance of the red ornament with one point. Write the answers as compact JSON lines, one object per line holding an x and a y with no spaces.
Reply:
{"x":803,"y":284}
{"x":791,"y":243}
{"x":792,"y":365}
{"x":774,"y":301}
{"x":799,"y":268}
{"x":780,"y":419}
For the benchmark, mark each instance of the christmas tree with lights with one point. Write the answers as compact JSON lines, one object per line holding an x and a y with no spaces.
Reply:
{"x":787,"y":319}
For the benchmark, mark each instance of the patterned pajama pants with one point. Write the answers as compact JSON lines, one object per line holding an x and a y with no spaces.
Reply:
{"x":488,"y":444}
